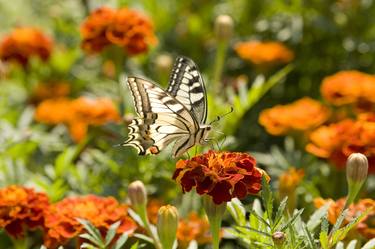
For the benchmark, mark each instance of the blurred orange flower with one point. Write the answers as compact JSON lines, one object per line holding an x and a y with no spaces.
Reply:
{"x":222,"y":175}
{"x":125,"y":28}
{"x":20,"y":209}
{"x":349,"y":87}
{"x":301,"y":115}
{"x":264,"y":53}
{"x":153,"y":206}
{"x":22,"y":43}
{"x":337,"y":141}
{"x":61,"y":218}
{"x":366,"y":227}
{"x":50,"y":90}
{"x":289,"y":180}
{"x":77,"y":114}
{"x":193,"y":228}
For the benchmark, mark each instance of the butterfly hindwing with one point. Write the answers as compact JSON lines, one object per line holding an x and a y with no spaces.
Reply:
{"x":162,"y":120}
{"x":186,"y":85}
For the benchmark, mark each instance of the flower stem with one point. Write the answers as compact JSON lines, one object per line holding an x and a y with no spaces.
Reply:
{"x":215,"y":214}
{"x":143,"y":215}
{"x":21,"y":243}
{"x":219,"y":64}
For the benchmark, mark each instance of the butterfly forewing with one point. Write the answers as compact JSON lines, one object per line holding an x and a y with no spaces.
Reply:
{"x":186,"y":85}
{"x":162,"y":119}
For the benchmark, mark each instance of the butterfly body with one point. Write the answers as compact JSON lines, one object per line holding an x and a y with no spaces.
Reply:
{"x":176,"y":115}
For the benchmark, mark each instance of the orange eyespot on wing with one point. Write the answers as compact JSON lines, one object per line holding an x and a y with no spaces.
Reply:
{"x":154,"y":150}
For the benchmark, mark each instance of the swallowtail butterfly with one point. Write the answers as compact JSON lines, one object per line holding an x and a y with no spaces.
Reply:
{"x":177,"y":114}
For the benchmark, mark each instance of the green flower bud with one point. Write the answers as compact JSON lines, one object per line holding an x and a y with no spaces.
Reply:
{"x":137,"y":195}
{"x":278,"y":238}
{"x":224,"y":27}
{"x":167,"y":225}
{"x":356,"y":174}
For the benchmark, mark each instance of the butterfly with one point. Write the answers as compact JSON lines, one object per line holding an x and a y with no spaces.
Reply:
{"x":175,"y":115}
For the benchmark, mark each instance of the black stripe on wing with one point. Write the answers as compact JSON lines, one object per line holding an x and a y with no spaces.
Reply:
{"x":187,"y":86}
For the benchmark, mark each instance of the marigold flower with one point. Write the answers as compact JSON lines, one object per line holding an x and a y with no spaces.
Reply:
{"x":23,"y":43}
{"x":348,"y":87}
{"x":290,"y":179}
{"x":337,"y":141}
{"x":50,"y":90}
{"x":303,"y":114}
{"x":153,"y":206}
{"x":222,"y":175}
{"x":264,"y":53}
{"x":54,"y":111}
{"x":21,"y":208}
{"x":193,"y":228}
{"x":366,"y":226}
{"x":125,"y":28}
{"x":62,"y":224}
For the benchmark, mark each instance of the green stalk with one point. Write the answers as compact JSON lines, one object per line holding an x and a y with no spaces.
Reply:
{"x":143,"y":215}
{"x":215,"y":214}
{"x":21,"y":243}
{"x":219,"y":65}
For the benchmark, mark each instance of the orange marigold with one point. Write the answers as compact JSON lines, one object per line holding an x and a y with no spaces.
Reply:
{"x":289,"y":180}
{"x":22,"y":43}
{"x":222,"y":175}
{"x":301,"y":115}
{"x":61,"y":218}
{"x":366,"y":227}
{"x":193,"y":228}
{"x":337,"y":141}
{"x":125,"y":28}
{"x":264,"y":53}
{"x":348,"y":87}
{"x":50,"y":90}
{"x":153,"y":206}
{"x":77,"y":114}
{"x":21,"y":208}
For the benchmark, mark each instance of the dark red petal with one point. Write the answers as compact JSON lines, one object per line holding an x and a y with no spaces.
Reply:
{"x":205,"y":186}
{"x":240,"y":190}
{"x":221,"y":192}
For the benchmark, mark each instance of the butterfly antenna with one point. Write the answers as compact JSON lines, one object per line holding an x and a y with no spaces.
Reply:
{"x":220,"y":117}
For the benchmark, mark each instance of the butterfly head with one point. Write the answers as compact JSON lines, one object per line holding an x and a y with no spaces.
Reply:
{"x":203,"y":132}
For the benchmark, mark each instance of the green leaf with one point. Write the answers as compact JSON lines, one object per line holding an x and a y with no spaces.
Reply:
{"x":317,"y":216}
{"x":309,"y":237}
{"x":352,"y":244}
{"x":135,"y":245}
{"x":323,"y":238}
{"x":90,"y":238}
{"x":291,"y":220}
{"x":259,"y":218}
{"x":93,"y":232}
{"x":254,"y":230}
{"x":280,"y":211}
{"x":121,"y":241}
{"x":339,"y":221}
{"x":369,"y":245}
{"x":111,"y":232}
{"x":267,"y":199}
{"x":237,"y":211}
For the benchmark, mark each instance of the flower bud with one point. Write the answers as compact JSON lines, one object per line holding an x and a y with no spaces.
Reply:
{"x":223,"y":27}
{"x":164,"y":63}
{"x":356,"y":168}
{"x":137,"y":195}
{"x":167,"y":225}
{"x":278,"y":238}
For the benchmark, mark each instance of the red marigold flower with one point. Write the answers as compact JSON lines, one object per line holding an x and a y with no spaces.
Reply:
{"x":222,"y":175}
{"x":23,"y":43}
{"x":21,"y":208}
{"x":264,"y":53}
{"x":61,"y":218}
{"x":366,"y":226}
{"x":337,"y":141}
{"x":301,"y":115}
{"x":125,"y":28}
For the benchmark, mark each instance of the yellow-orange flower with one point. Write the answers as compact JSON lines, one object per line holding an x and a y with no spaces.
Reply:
{"x":193,"y":228}
{"x":50,"y":90}
{"x":20,"y":209}
{"x":349,"y":87}
{"x":125,"y":28}
{"x":153,"y":206}
{"x":77,"y":114}
{"x":301,"y":115}
{"x":366,"y":227}
{"x":337,"y":141}
{"x":61,"y":218}
{"x":23,"y":43}
{"x":264,"y":53}
{"x":290,"y":179}
{"x":222,"y":175}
